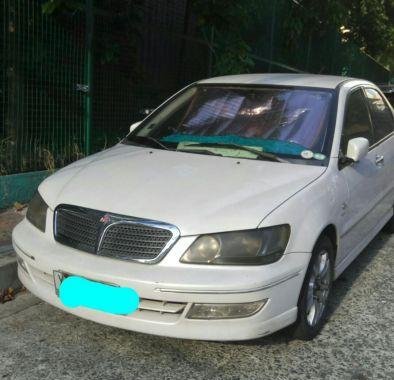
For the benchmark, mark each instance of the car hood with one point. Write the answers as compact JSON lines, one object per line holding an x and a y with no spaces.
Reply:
{"x":197,"y":193}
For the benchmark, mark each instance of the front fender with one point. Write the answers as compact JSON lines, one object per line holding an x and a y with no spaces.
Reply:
{"x":311,"y":210}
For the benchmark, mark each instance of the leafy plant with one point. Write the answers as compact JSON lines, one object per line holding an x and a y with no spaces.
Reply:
{"x":367,"y":23}
{"x":226,"y":23}
{"x":51,"y":6}
{"x":222,"y":23}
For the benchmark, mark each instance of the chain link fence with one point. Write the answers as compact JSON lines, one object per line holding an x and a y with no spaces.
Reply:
{"x":62,"y":98}
{"x":41,"y":112}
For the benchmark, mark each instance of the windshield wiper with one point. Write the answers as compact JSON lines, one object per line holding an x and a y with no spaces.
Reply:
{"x":258,"y":153}
{"x":201,"y":151}
{"x":149,"y":140}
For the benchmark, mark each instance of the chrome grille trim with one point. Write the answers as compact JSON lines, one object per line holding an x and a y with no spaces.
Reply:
{"x":116,"y":220}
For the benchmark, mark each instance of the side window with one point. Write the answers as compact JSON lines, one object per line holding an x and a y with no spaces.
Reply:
{"x":381,"y":115}
{"x":357,"y":122}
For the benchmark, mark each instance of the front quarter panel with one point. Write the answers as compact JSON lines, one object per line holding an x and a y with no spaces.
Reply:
{"x":311,"y":210}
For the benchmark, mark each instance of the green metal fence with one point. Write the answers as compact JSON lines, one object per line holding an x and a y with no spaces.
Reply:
{"x":42,"y":113}
{"x":62,"y":98}
{"x":321,"y":52}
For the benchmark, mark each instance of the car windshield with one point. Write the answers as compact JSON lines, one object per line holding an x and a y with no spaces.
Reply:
{"x":246,"y":122}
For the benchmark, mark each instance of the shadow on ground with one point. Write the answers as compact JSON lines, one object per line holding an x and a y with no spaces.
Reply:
{"x":345,"y":281}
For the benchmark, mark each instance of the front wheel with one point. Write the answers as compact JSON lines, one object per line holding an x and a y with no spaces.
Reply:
{"x":313,"y":301}
{"x":389,"y":227}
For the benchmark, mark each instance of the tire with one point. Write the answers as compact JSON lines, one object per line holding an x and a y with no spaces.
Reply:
{"x":389,"y":227}
{"x":315,"y":292}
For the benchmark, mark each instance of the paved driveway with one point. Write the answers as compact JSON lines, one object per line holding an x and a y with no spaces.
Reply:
{"x":38,"y":341}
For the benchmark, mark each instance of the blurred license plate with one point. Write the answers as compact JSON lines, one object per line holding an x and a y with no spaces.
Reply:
{"x":75,"y":291}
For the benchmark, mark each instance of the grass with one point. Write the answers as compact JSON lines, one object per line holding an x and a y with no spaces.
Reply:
{"x":13,"y":159}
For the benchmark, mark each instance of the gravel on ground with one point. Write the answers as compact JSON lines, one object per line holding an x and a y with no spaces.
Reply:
{"x":38,"y":341}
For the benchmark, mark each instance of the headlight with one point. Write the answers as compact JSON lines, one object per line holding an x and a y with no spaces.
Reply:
{"x":37,"y":212}
{"x":249,"y":247}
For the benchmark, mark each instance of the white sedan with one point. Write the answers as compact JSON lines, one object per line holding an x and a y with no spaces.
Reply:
{"x":226,"y":214}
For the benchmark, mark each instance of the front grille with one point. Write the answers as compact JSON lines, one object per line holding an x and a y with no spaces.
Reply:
{"x":78,"y":228}
{"x":113,"y":235}
{"x":146,"y":242}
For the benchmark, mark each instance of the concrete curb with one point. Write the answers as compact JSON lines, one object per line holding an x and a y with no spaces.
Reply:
{"x":7,"y":248}
{"x":20,"y":187}
{"x":8,"y":268}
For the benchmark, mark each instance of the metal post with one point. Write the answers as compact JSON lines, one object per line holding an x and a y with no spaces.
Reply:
{"x":210,"y":56}
{"x":308,"y":54}
{"x":272,"y":35}
{"x":88,"y":74}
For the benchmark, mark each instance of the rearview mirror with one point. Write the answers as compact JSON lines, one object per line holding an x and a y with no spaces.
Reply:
{"x":134,"y":125}
{"x":357,"y":148}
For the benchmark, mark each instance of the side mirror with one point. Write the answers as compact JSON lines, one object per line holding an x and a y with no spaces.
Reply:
{"x":357,"y":148}
{"x":134,"y":125}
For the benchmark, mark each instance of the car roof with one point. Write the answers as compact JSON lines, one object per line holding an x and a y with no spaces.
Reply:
{"x":304,"y":80}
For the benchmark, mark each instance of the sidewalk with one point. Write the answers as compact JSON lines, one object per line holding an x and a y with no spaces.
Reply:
{"x":9,"y":218}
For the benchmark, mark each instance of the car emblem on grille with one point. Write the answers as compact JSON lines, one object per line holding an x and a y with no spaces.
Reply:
{"x":105,"y":219}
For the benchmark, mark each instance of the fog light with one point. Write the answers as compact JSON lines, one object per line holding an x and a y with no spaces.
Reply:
{"x":21,"y":264}
{"x":224,"y":310}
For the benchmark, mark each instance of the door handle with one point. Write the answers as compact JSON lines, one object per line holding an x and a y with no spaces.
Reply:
{"x":379,"y":160}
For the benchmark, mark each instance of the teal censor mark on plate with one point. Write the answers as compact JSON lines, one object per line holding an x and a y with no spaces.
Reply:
{"x":76,"y":291}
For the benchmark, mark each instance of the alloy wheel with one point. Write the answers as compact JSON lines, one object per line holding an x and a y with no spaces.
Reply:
{"x":318,"y":288}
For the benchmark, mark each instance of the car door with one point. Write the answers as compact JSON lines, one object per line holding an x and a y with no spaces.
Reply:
{"x":364,"y":178}
{"x":383,"y":147}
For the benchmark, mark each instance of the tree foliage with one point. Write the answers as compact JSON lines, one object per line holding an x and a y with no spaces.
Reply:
{"x":222,"y":23}
{"x":367,"y":23}
{"x":371,"y":25}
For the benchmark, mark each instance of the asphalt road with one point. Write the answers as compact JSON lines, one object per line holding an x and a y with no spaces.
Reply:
{"x":38,"y":341}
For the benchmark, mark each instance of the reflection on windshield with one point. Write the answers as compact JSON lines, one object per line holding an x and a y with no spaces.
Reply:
{"x":288,"y":115}
{"x":279,"y":120}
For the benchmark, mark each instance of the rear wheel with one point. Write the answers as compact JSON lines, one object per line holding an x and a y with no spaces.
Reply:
{"x":313,"y":301}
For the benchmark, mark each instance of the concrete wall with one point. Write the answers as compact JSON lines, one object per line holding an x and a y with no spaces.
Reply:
{"x":19,"y":187}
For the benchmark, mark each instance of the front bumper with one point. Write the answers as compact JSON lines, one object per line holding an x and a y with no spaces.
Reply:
{"x":166,"y":285}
